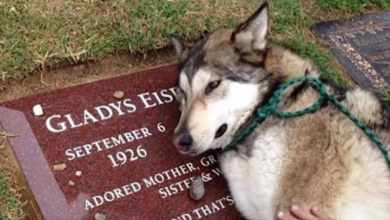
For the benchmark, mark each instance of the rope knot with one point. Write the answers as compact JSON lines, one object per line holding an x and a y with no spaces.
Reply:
{"x":265,"y":111}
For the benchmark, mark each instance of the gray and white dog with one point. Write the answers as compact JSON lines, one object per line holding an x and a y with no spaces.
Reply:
{"x":319,"y":159}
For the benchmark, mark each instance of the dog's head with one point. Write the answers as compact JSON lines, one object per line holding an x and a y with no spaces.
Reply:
{"x":222,"y":80}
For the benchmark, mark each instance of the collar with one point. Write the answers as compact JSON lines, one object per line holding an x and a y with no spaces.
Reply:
{"x":271,"y":107}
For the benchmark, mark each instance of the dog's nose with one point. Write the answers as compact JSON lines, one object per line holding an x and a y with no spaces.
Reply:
{"x":185,"y":141}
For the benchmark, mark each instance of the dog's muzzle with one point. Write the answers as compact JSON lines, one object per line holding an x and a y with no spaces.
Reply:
{"x":184,"y":142}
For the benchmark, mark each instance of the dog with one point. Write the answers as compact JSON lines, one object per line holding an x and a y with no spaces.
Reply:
{"x":318,"y":159}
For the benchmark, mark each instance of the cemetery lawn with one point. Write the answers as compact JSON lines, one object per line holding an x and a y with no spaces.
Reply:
{"x":37,"y":36}
{"x":352,"y":5}
{"x":10,"y":205}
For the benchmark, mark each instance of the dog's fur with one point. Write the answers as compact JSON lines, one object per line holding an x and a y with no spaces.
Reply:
{"x":320,"y":159}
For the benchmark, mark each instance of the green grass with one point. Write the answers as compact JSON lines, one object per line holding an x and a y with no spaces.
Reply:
{"x":10,"y":205}
{"x":291,"y":27}
{"x":41,"y":33}
{"x":44,"y":34}
{"x":384,"y":95}
{"x":352,"y":5}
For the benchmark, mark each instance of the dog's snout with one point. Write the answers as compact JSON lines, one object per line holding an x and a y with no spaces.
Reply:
{"x":185,"y":141}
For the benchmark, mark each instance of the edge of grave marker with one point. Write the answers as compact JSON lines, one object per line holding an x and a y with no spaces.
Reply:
{"x":32,"y":159}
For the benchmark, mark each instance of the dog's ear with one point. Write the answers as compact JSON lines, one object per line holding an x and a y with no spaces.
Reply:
{"x":251,"y":35}
{"x":178,"y":45}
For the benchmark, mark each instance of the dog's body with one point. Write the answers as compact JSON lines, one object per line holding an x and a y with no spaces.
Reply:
{"x":319,"y":159}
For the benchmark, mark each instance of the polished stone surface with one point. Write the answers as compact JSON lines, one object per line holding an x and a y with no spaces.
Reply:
{"x":122,"y":146}
{"x":362,"y":45}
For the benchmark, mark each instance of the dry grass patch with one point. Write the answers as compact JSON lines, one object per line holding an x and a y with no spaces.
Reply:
{"x":11,"y":207}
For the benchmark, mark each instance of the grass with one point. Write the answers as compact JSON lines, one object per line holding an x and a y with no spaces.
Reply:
{"x":10,"y":205}
{"x":353,"y":5}
{"x":42,"y":33}
{"x":39,"y":34}
{"x":291,"y":27}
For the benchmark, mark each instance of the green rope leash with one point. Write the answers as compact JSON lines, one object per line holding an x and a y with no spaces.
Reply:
{"x":271,"y":107}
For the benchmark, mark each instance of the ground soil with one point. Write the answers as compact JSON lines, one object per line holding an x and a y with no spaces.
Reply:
{"x":71,"y":75}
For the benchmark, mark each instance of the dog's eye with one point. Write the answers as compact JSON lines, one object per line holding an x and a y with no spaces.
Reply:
{"x":211,"y":86}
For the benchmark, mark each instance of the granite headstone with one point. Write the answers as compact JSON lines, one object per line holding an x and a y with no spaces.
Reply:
{"x":85,"y":151}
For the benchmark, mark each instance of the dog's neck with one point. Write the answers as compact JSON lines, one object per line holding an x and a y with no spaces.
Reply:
{"x":250,"y":114}
{"x":281,"y":69}
{"x":286,"y":65}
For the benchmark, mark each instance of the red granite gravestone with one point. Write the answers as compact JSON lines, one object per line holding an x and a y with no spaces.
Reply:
{"x":119,"y":157}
